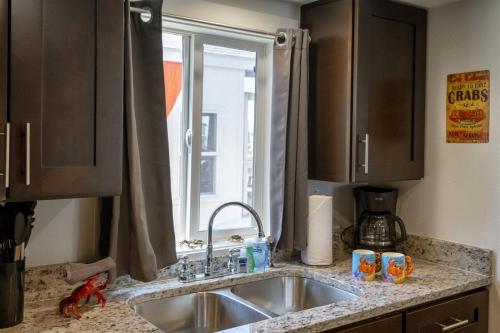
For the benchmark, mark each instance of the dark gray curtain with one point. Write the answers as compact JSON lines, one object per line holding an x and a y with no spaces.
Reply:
{"x":137,"y":228}
{"x":288,"y":186}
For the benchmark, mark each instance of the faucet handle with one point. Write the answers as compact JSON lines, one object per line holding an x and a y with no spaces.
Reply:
{"x":184,"y":261}
{"x":184,"y":270}
{"x":234,"y":251}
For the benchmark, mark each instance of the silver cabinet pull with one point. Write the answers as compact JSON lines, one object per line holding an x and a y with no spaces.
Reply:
{"x":457,"y":323}
{"x":28,"y":154}
{"x":366,"y":141}
{"x":6,"y":173}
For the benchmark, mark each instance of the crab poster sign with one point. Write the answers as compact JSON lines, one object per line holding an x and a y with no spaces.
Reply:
{"x":468,"y":107}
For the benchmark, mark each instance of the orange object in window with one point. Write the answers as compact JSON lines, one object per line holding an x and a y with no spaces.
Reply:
{"x":172,"y":73}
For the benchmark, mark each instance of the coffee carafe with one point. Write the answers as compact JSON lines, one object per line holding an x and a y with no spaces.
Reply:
{"x":376,"y":224}
{"x":378,"y":231}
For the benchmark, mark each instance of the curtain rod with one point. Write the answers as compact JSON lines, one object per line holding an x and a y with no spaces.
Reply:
{"x":222,"y":25}
{"x":280,"y":34}
{"x":138,"y":10}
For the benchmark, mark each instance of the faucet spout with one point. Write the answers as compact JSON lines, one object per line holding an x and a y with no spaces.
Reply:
{"x":209,"y":262}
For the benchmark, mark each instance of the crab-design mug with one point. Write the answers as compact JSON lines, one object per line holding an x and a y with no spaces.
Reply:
{"x":365,"y":264}
{"x":396,"y":267}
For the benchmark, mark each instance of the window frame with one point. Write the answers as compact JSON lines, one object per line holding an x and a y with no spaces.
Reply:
{"x":197,"y":110}
{"x":262,"y":100}
{"x":185,"y":149}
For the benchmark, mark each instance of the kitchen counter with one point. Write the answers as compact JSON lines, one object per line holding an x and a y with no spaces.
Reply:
{"x":429,"y":282}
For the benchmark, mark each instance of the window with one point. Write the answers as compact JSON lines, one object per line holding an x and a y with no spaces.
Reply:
{"x":208,"y":153}
{"x":217,"y":109}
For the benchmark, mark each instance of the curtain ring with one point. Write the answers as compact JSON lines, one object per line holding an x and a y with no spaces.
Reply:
{"x":281,"y":38}
{"x":147,"y":15}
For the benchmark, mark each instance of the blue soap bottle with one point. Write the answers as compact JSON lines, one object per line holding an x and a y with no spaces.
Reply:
{"x":261,"y":254}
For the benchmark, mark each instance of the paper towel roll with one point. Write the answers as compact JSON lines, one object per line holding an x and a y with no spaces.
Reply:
{"x":319,"y":249}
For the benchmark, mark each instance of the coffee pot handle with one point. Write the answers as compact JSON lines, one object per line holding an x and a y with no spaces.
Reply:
{"x":402,"y":228}
{"x":343,"y":237}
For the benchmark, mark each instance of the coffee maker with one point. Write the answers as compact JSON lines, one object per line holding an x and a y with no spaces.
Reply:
{"x":375,"y":224}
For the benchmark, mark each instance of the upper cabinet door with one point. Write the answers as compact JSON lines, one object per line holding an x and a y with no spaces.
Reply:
{"x":367,"y":90}
{"x":4,"y":61}
{"x":389,"y":91}
{"x":330,"y":88}
{"x":66,"y":98}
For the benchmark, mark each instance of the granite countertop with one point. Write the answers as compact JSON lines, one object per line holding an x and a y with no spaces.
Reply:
{"x":430,"y":281}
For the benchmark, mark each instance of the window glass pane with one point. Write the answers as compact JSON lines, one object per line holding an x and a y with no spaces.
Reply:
{"x":207,"y":175}
{"x":173,"y":68}
{"x":209,"y":132}
{"x":227,"y":163}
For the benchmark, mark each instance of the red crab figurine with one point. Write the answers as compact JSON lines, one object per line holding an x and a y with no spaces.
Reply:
{"x":91,"y":288}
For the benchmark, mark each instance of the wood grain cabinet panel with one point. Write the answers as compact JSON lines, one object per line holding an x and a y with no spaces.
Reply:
{"x":464,"y":314}
{"x":367,"y":90}
{"x":392,"y":324}
{"x":4,"y":72}
{"x":66,"y":98}
{"x":467,"y":314}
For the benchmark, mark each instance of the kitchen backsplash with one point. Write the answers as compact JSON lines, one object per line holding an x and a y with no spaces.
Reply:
{"x":469,"y":258}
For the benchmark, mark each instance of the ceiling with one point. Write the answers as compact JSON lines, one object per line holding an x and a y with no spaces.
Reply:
{"x":420,"y":3}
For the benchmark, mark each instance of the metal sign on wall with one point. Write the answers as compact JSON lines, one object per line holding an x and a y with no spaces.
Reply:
{"x":468,"y":107}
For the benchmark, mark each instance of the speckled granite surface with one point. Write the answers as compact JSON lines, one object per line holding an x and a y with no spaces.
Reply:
{"x":430,"y":282}
{"x":469,"y":258}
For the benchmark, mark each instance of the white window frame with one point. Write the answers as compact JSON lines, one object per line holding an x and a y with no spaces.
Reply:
{"x":184,"y":149}
{"x":262,"y":46}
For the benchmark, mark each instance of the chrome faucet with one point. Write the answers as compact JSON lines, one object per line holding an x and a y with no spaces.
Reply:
{"x":209,"y":264}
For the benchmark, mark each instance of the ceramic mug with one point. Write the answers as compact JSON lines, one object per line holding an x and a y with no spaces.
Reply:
{"x":396,"y":267}
{"x":365,"y":264}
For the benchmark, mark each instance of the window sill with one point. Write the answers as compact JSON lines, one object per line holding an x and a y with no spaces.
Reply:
{"x":220,"y":249}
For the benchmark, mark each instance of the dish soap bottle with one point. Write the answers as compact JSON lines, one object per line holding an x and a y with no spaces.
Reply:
{"x":250,"y":255}
{"x":261,"y":254}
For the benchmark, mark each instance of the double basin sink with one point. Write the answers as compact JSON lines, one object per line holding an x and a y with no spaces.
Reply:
{"x":221,"y":309}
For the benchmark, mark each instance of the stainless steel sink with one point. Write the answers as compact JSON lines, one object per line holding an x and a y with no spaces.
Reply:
{"x":287,"y":294}
{"x":202,"y":312}
{"x":211,"y":311}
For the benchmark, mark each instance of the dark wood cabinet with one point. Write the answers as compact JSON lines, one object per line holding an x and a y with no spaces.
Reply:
{"x":393,"y":324}
{"x":464,"y":313}
{"x":467,"y":314}
{"x":65,"y":102}
{"x":367,"y":90}
{"x":4,"y":70}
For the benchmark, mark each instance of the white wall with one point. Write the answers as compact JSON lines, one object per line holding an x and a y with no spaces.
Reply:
{"x":459,"y":198}
{"x":64,"y":231}
{"x":267,"y":15}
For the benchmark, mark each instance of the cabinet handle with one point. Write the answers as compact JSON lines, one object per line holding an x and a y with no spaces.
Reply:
{"x":28,"y":154}
{"x":6,"y":174}
{"x":457,"y":323}
{"x":366,"y":141}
